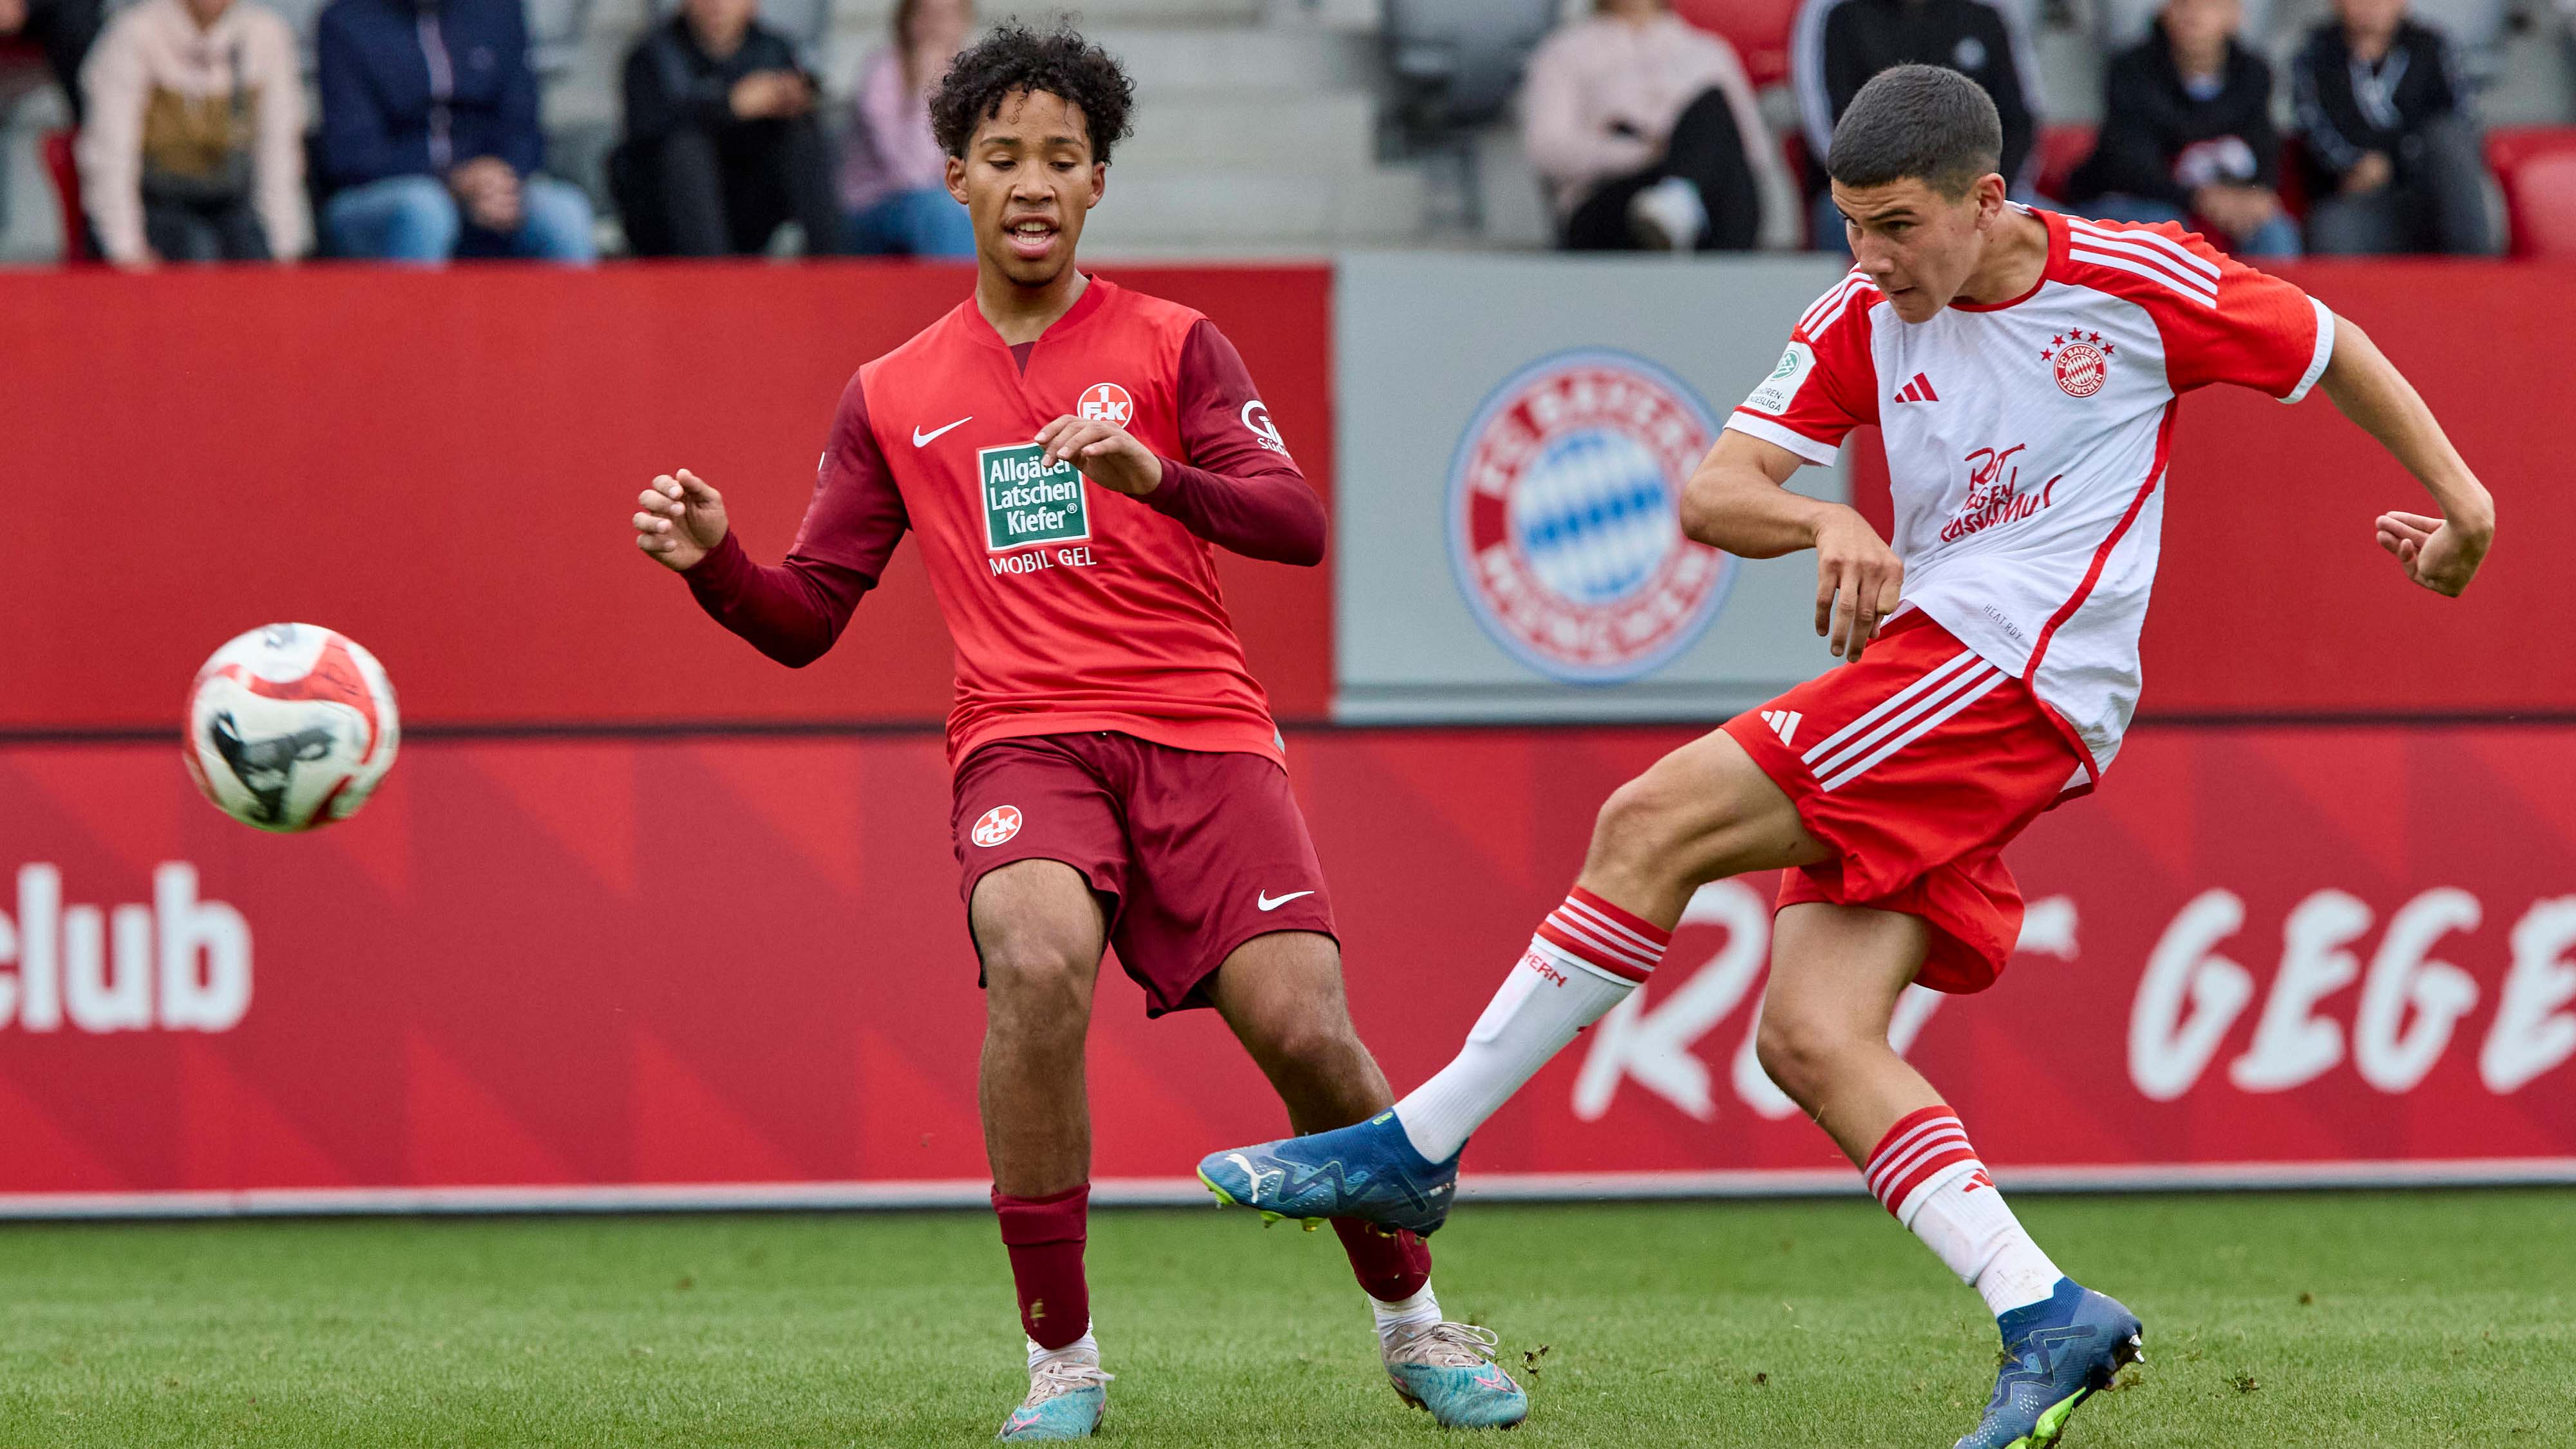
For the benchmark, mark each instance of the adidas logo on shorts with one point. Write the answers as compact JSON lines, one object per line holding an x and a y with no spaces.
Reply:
{"x":1784,"y":723}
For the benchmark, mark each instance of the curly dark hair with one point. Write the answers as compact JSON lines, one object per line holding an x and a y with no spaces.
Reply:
{"x":1015,"y":59}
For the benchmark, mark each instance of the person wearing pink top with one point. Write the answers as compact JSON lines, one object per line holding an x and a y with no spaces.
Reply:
{"x":894,"y":176}
{"x":1645,"y":133}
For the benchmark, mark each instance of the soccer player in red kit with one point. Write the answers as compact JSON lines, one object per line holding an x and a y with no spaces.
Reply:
{"x":2025,"y":369}
{"x":1070,"y":454}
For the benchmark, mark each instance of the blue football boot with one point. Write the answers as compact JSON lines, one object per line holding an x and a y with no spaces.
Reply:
{"x":1449,"y":1369}
{"x":1367,"y":1171}
{"x":1065,"y":1401}
{"x":2058,"y":1352}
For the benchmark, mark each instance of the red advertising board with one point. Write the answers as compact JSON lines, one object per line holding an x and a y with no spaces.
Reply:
{"x":735,"y":969}
{"x":442,"y":465}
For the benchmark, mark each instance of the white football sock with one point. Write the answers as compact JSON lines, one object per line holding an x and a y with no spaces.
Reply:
{"x":1083,"y":1350}
{"x":1928,"y":1176}
{"x":1587,"y":956}
{"x":1407,"y":1316}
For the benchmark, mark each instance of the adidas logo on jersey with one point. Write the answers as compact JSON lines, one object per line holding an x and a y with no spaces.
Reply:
{"x":1784,"y":723}
{"x":1919,"y":390}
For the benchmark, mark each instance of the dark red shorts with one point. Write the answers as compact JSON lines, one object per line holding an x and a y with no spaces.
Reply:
{"x":1192,"y":853}
{"x":1919,"y":764}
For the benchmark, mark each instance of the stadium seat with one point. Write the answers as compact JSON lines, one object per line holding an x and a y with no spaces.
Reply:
{"x":2062,"y":148}
{"x":1456,"y":65}
{"x":2537,"y":168}
{"x":1758,"y":29}
{"x":67,"y":193}
{"x":1462,"y":59}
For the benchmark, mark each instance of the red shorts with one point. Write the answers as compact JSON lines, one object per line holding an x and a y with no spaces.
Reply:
{"x":1918,"y":763}
{"x":1191,"y":852}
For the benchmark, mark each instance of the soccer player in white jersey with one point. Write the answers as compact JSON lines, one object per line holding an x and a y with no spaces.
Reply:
{"x":2025,"y":368}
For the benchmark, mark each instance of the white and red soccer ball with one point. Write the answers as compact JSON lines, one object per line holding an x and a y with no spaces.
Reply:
{"x":291,"y":727}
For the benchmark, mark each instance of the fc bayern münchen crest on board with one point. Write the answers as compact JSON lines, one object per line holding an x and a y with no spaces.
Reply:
{"x":1565,"y":523}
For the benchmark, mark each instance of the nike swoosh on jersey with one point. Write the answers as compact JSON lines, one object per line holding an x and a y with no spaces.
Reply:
{"x":921,"y":439}
{"x":1267,"y":904}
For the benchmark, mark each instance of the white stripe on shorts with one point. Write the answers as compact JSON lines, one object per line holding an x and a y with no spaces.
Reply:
{"x":1909,"y":695}
{"x":1980,"y":683}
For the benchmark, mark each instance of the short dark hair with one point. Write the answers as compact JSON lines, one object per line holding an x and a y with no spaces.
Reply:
{"x":1927,"y":122}
{"x":1015,"y":60}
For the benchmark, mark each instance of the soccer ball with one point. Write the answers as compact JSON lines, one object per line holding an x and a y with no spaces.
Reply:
{"x":291,"y":727}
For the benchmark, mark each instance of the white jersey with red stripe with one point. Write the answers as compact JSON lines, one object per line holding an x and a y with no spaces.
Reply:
{"x":2027,"y":440}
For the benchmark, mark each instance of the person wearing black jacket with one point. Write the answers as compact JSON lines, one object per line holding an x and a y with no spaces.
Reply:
{"x":722,"y":145}
{"x":2187,"y":134}
{"x":1839,"y":44}
{"x":63,"y":29}
{"x":2394,"y":152}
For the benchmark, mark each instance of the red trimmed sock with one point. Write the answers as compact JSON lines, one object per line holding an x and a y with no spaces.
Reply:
{"x":1044,"y":1236}
{"x":1930,"y":1179}
{"x":1585,"y":959}
{"x":1391,"y":1266}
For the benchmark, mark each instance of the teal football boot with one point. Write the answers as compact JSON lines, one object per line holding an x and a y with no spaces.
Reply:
{"x":1065,"y":1401}
{"x":1449,"y":1369}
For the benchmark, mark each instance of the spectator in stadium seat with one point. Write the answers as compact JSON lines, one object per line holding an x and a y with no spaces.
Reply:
{"x":194,"y":151}
{"x":2187,"y":134}
{"x":430,"y":136}
{"x":63,"y":29}
{"x":894,"y":177}
{"x":722,"y":146}
{"x":1839,"y":44}
{"x":1645,"y":132}
{"x":2395,"y":154}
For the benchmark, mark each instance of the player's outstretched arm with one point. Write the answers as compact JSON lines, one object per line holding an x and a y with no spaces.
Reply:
{"x":2442,"y":553}
{"x":679,"y":520}
{"x":1737,"y":502}
{"x":793,"y":611}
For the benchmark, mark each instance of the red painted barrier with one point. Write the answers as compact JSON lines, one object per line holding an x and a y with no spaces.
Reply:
{"x":442,"y":466}
{"x":742,"y":961}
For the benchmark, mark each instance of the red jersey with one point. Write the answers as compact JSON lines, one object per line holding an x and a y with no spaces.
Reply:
{"x":1072,"y":607}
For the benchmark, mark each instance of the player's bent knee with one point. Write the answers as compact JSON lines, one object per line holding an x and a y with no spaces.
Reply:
{"x":1797,"y":1055}
{"x":1657,"y":825}
{"x":1035,"y":976}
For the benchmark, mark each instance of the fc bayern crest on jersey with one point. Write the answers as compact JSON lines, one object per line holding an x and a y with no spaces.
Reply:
{"x":996,"y":826}
{"x":2081,"y":360}
{"x":1105,"y":402}
{"x":1565,"y":523}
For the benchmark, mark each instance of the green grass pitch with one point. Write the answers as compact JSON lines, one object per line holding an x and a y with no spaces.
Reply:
{"x":2292,"y":1320}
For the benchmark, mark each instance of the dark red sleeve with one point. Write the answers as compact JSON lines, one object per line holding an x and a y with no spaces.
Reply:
{"x":1239,"y":490}
{"x":794,"y":611}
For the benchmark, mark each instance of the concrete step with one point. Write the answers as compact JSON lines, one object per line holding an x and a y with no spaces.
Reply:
{"x":1190,"y":58}
{"x":1159,"y":211}
{"x":874,"y":15}
{"x":1317,"y":132}
{"x":1236,"y":59}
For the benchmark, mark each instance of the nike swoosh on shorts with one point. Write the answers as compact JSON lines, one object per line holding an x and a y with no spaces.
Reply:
{"x":1267,"y":904}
